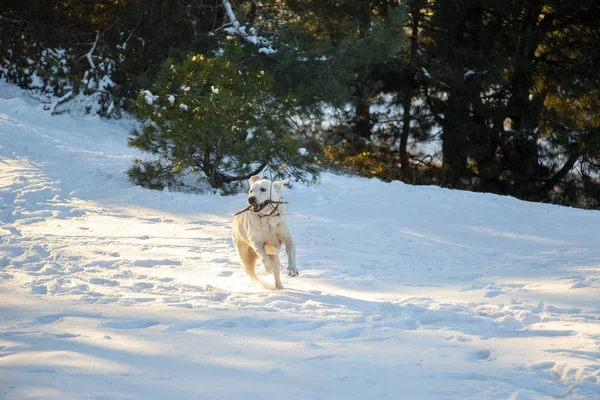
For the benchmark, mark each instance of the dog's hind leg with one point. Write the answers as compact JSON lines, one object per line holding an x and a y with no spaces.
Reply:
{"x":277,"y":267}
{"x":248,"y":257}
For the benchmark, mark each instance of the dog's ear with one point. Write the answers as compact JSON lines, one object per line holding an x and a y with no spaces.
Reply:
{"x":279,"y":184}
{"x":253,"y":179}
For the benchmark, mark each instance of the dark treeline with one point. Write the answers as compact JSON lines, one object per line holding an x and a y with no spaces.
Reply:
{"x":499,"y":96}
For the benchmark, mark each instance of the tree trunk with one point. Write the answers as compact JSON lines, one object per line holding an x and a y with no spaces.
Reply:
{"x":159,"y":12}
{"x":454,"y":162}
{"x":406,"y":119}
{"x":408,"y":96}
{"x":362,"y":125}
{"x":524,"y":110}
{"x":455,"y":139}
{"x":362,"y":105}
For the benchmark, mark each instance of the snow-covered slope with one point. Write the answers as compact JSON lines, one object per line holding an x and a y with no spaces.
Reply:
{"x":110,"y":291}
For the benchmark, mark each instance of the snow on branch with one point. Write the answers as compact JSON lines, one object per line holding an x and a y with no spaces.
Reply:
{"x":89,"y":54}
{"x":230,"y":14}
{"x":426,"y":73}
{"x":250,"y":35}
{"x":469,"y":72}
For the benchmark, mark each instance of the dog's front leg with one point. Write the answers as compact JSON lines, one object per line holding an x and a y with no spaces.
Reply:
{"x":290,"y":249}
{"x":275,"y":260}
{"x":259,"y":248}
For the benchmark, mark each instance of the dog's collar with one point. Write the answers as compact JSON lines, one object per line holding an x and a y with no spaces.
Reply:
{"x":261,"y":206}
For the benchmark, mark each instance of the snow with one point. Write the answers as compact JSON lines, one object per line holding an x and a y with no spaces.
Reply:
{"x":425,"y":72}
{"x":112,"y":291}
{"x":36,"y":82}
{"x":250,"y":134}
{"x":148,"y":97}
{"x":250,"y":37}
{"x":267,"y":50}
{"x":230,"y":14}
{"x":468,"y":73}
{"x":105,"y":83}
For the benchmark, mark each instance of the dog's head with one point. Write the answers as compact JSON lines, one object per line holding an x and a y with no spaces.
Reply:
{"x":262,"y":190}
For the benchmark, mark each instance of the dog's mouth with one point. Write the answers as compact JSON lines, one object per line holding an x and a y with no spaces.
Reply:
{"x":256,"y":207}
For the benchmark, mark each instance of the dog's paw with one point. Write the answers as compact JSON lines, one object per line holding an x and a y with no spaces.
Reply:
{"x":292,"y":272}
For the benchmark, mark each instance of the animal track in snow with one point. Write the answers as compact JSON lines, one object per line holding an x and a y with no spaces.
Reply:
{"x":54,"y":318}
{"x":542,"y":365}
{"x":104,"y":281}
{"x":483,"y":354}
{"x":229,"y":323}
{"x":154,"y":263}
{"x":129,"y":324}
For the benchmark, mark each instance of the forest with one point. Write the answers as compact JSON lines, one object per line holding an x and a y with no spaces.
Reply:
{"x":498,"y":96}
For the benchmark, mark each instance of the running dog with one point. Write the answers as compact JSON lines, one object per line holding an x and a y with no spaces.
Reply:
{"x":260,"y":229}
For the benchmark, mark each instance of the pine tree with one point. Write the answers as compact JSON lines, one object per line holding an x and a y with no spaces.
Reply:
{"x":215,"y":118}
{"x":339,"y":51}
{"x":512,"y":85}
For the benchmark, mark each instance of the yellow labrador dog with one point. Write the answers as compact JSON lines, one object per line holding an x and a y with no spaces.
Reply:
{"x":260,"y":230}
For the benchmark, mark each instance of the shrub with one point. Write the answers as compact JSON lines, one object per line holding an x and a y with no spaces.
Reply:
{"x":216,"y":118}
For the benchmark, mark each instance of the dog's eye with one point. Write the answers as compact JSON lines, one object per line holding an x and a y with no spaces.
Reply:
{"x":263,"y":189}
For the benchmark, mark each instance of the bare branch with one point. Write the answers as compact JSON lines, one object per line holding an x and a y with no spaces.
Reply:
{"x":561,"y":173}
{"x":227,"y":25}
{"x":91,"y":52}
{"x":134,"y":29}
{"x":3,"y":18}
{"x":260,"y":10}
{"x":229,"y":179}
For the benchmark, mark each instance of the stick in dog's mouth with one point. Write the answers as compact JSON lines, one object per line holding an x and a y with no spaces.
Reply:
{"x":258,"y":207}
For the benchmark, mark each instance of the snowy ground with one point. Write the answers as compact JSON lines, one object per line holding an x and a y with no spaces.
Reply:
{"x":110,"y":291}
